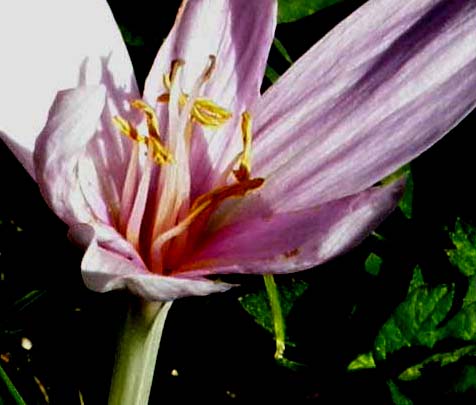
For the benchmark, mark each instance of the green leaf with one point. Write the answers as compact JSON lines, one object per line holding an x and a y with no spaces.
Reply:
{"x":282,"y":50}
{"x":463,"y":324}
{"x":373,"y":263}
{"x":406,"y":202}
{"x":11,"y":388}
{"x":292,"y":10}
{"x":129,"y":38}
{"x":271,"y":74}
{"x":464,"y":254}
{"x":271,"y":307}
{"x":362,"y":362}
{"x":257,"y":304}
{"x":467,"y":381}
{"x":397,"y":397}
{"x":470,"y":297}
{"x":415,"y":320}
{"x":442,"y":359}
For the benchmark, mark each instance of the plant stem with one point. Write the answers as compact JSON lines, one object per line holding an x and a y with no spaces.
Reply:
{"x":277,"y":314}
{"x":11,"y":388}
{"x":137,"y":353}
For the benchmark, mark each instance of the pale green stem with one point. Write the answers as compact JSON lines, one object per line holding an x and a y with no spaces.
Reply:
{"x":277,"y":314}
{"x":137,"y":353}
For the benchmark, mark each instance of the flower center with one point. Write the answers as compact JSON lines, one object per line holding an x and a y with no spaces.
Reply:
{"x":157,"y":215}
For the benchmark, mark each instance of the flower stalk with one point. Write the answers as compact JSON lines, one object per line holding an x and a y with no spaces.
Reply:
{"x":136,"y":353}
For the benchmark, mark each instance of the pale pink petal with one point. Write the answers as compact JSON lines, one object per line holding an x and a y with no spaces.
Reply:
{"x":60,"y":148}
{"x":239,"y":33}
{"x":382,"y":87}
{"x":105,"y":270}
{"x":51,"y":45}
{"x":293,"y":241}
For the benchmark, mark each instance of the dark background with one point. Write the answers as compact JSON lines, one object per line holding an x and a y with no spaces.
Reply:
{"x":220,"y":353}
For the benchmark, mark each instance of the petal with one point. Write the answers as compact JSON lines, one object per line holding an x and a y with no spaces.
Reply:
{"x":382,"y":87}
{"x":72,"y":123}
{"x":294,"y":241}
{"x":239,"y":33}
{"x":105,"y":270}
{"x":49,"y":46}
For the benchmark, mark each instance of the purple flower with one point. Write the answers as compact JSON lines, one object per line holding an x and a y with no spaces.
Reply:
{"x":203,"y":175}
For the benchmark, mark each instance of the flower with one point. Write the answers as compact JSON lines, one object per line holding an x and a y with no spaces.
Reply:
{"x":203,"y":175}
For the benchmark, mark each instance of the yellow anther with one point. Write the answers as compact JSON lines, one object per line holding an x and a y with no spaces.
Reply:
{"x":167,"y":82}
{"x":244,"y":170}
{"x":209,"y":114}
{"x":151,"y":118}
{"x":206,"y":112}
{"x":127,"y":128}
{"x":160,"y":154}
{"x":158,"y":151}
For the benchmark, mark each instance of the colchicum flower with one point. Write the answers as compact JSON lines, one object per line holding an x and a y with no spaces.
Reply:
{"x":202,"y":175}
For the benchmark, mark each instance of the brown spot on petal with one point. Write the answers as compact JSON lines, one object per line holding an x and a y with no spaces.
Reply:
{"x":292,"y":253}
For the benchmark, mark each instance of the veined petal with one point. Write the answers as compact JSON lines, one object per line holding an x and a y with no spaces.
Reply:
{"x":49,"y":46}
{"x":381,"y":88}
{"x":72,"y":123}
{"x":293,"y":241}
{"x":239,"y":33}
{"x":105,"y":270}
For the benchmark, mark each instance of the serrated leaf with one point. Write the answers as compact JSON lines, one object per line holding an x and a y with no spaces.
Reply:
{"x":397,"y":397}
{"x":270,"y":309}
{"x":292,"y":10}
{"x":442,"y":359}
{"x":362,"y":362}
{"x":463,"y":324}
{"x":416,"y":319}
{"x":470,"y":297}
{"x":464,"y":254}
{"x":257,"y":304}
{"x":373,"y":263}
{"x":417,"y":280}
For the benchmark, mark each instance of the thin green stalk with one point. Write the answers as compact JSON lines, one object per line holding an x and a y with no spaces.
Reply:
{"x":11,"y":388}
{"x":277,"y":314}
{"x":137,"y":353}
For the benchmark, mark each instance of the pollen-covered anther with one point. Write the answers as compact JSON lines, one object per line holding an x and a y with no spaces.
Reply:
{"x":204,"y":111}
{"x":157,"y":150}
{"x":243,"y":172}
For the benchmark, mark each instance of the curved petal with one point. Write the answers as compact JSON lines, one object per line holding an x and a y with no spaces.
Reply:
{"x":294,"y":241}
{"x":382,"y":87}
{"x":239,"y":33}
{"x":105,"y":270}
{"x":72,"y":123}
{"x":49,"y":46}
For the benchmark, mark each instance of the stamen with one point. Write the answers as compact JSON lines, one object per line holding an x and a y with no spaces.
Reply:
{"x":175,"y":66}
{"x":217,"y":196}
{"x":151,"y":118}
{"x":206,"y":112}
{"x":204,"y":206}
{"x":126,"y":128}
{"x":157,"y":150}
{"x":213,"y":63}
{"x":243,"y":173}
